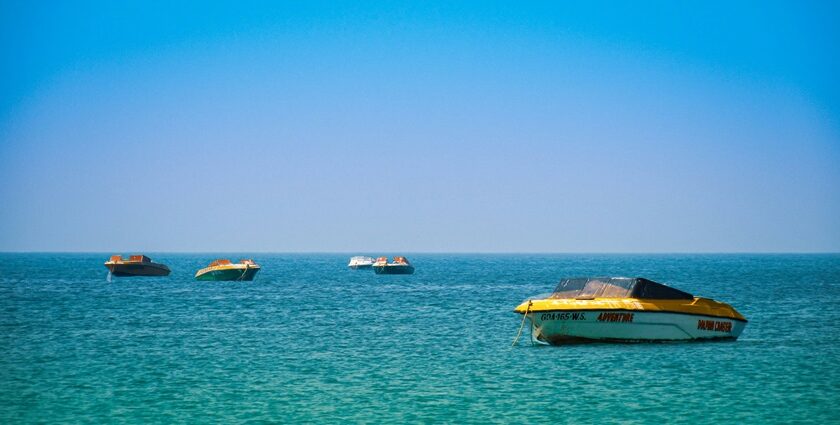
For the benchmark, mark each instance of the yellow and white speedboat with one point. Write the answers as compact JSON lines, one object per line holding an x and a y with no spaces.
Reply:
{"x":625,"y":309}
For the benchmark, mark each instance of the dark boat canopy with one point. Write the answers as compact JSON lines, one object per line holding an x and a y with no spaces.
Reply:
{"x":616,"y":287}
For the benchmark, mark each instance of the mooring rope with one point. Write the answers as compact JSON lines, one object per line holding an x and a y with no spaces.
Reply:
{"x":522,"y":325}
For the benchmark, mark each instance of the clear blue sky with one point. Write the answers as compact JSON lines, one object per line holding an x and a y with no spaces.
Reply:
{"x":420,"y":126}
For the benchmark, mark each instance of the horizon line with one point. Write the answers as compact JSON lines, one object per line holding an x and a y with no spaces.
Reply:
{"x":455,"y":252}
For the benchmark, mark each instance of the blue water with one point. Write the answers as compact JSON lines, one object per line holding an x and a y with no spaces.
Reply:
{"x":312,"y":341}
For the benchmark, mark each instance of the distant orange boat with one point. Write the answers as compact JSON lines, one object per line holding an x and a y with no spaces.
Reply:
{"x":135,"y":265}
{"x":400,"y":265}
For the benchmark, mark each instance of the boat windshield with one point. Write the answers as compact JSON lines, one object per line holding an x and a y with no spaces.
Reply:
{"x":587,"y":288}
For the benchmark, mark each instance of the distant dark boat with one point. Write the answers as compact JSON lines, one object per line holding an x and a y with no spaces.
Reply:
{"x":223,"y":269}
{"x":400,"y":265}
{"x":136,"y":265}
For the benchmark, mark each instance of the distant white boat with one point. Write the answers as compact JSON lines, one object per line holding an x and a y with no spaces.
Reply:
{"x":360,"y":262}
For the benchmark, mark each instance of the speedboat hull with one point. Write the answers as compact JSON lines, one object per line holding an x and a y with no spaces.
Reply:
{"x":137,"y":269}
{"x":565,"y":326}
{"x":361,"y":266}
{"x":394,"y":269}
{"x":228,"y":274}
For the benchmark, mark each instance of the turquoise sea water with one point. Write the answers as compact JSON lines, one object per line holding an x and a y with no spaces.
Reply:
{"x":312,"y":341}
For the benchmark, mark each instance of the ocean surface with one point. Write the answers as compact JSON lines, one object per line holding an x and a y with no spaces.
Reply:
{"x":312,"y":341}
